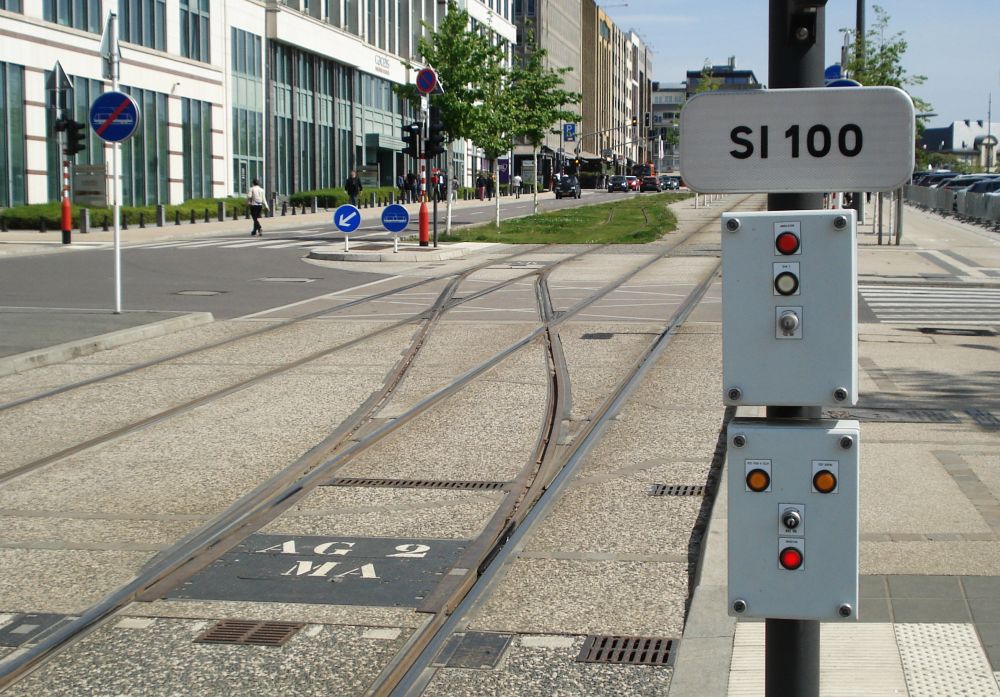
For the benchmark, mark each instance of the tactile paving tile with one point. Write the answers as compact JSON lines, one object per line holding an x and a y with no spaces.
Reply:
{"x":944,"y":659}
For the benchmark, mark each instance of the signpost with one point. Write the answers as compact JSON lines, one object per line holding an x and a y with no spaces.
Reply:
{"x":798,"y":140}
{"x":395,"y":218}
{"x":347,"y":218}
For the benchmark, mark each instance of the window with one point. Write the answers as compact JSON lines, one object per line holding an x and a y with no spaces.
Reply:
{"x":11,"y":5}
{"x":145,"y":157}
{"x":79,"y":14}
{"x":195,"y":30}
{"x":196,"y":117}
{"x":248,"y":109}
{"x":143,"y":22}
{"x":12,"y":157}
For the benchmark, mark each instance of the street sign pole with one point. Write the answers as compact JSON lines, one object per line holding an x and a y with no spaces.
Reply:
{"x":114,"y":61}
{"x":796,"y":46}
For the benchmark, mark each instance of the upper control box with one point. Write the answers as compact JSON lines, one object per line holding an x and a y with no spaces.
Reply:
{"x":789,"y":308}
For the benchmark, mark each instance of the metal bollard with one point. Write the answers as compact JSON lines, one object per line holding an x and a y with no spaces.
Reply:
{"x":222,"y":211}
{"x":84,"y":220}
{"x":246,"y":213}
{"x":294,"y":210}
{"x":206,"y":214}
{"x":124,"y":222}
{"x":284,"y":207}
{"x":177,"y":217}
{"x":43,"y":225}
{"x":3,"y":224}
{"x":142,"y":219}
{"x":192,"y":216}
{"x":314,"y":202}
{"x":161,"y":215}
{"x":106,"y":224}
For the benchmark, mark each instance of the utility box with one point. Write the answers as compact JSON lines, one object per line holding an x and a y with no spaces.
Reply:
{"x":789,"y":308}
{"x":793,"y":518}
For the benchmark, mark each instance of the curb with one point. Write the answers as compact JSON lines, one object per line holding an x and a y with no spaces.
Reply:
{"x":84,"y":347}
{"x":332,"y":253}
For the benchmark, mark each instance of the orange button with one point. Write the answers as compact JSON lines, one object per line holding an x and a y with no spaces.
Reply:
{"x":824,"y":481}
{"x":758,"y":480}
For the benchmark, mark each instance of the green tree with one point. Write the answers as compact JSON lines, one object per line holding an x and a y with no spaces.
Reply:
{"x":494,"y":123}
{"x":539,"y":101}
{"x":707,"y":82}
{"x":877,"y":61}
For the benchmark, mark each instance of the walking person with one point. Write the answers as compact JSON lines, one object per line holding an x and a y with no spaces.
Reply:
{"x":481,"y":186}
{"x":353,"y":186}
{"x":490,"y":187}
{"x":401,"y":185}
{"x":517,"y":185}
{"x":412,"y":186}
{"x":257,"y":201}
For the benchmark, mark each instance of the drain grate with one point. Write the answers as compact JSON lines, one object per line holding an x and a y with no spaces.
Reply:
{"x":200,"y":292}
{"x":418,"y":483}
{"x":956,"y":331}
{"x":984,"y":418}
{"x":937,"y":416}
{"x":473,"y":650}
{"x":597,"y":335}
{"x":633,"y":650}
{"x":255,"y":633}
{"x":676,"y":490}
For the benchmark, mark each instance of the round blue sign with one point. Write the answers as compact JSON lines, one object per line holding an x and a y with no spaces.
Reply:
{"x":427,"y":80}
{"x":395,"y":218}
{"x":347,"y":218}
{"x":843,"y":82}
{"x":114,"y":116}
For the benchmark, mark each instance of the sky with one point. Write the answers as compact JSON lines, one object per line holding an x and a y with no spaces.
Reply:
{"x":953,"y":43}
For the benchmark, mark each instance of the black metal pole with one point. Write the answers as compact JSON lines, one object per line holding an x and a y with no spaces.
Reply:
{"x":796,"y":48}
{"x":860,"y":45}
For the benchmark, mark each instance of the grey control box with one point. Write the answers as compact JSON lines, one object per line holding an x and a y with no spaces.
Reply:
{"x":793,"y":518}
{"x":789,"y":308}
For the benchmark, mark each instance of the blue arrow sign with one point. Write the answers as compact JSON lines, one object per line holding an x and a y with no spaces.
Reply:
{"x":395,"y":218}
{"x":114,"y":116}
{"x":843,"y":82}
{"x":347,"y":218}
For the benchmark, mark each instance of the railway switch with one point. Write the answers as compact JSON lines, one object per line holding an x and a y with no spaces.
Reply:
{"x":793,"y":518}
{"x":789,"y":308}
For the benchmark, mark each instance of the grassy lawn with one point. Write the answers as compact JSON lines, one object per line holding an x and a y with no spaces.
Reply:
{"x":631,"y":220}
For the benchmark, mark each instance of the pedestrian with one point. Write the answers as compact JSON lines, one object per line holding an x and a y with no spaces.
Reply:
{"x":353,"y":186}
{"x":517,"y":185}
{"x":412,"y":186}
{"x":257,"y":201}
{"x":481,"y":186}
{"x":401,"y":185}
{"x":490,"y":186}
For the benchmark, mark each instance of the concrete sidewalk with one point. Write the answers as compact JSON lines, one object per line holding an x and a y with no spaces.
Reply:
{"x":930,"y":498}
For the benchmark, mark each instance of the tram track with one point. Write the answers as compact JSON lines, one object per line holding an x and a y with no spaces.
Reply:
{"x":535,"y":482}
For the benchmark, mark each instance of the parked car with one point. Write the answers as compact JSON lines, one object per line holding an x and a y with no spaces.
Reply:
{"x":957,"y":183}
{"x":633,"y":182}
{"x":673,"y":183}
{"x":937,"y":179}
{"x":650,"y":184}
{"x":617,"y":183}
{"x":568,"y":186}
{"x":985,"y":186}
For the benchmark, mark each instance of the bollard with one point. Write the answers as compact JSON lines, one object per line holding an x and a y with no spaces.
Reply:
{"x":124,"y":222}
{"x":284,"y":207}
{"x":294,"y":210}
{"x":3,"y":224}
{"x":177,"y":217}
{"x":84,"y":220}
{"x":106,"y":223}
{"x":222,"y":211}
{"x":43,"y":225}
{"x":161,"y":215}
{"x":373,"y":199}
{"x":246,"y":213}
{"x":192,"y":216}
{"x":142,"y":219}
{"x":206,"y":214}
{"x":303,"y":208}
{"x":314,"y":200}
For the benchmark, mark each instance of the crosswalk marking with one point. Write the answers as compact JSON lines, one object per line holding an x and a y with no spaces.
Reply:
{"x":933,"y":305}
{"x":232,"y":243}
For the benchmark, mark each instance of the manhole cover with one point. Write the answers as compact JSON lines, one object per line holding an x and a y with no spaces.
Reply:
{"x":633,"y":650}
{"x":417,"y":483}
{"x":476,"y":650}
{"x":199,"y":292}
{"x":937,"y":416}
{"x":676,"y":490}
{"x":597,"y":335}
{"x":244,"y":632}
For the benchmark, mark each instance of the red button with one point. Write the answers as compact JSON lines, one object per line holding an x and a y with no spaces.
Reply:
{"x":790,"y":558}
{"x":787,"y":243}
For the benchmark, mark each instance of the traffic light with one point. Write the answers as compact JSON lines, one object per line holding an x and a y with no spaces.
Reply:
{"x":411,"y":136}
{"x":646,"y":119}
{"x":74,"y":137}
{"x":435,"y":135}
{"x":635,"y":121}
{"x":60,"y":124}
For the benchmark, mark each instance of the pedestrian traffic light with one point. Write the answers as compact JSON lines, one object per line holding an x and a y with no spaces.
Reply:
{"x":411,"y":136}
{"x":435,"y":134}
{"x":74,"y":137}
{"x":635,"y":121}
{"x":646,"y":118}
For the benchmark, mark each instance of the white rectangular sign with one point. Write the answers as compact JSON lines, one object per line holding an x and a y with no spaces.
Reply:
{"x":798,"y":140}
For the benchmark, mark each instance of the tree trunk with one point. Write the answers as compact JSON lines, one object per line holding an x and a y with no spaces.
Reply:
{"x":534,"y":182}
{"x":449,"y":186}
{"x":494,"y":163}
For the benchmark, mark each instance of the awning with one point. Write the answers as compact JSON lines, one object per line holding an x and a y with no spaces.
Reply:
{"x":383,"y":142}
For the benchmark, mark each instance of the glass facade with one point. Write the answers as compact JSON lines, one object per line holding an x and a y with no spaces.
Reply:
{"x":195,"y":30}
{"x":143,"y":22}
{"x":145,"y":155}
{"x":11,"y":5}
{"x":12,"y":156}
{"x":79,"y":14}
{"x":248,"y":109}
{"x":197,"y":119}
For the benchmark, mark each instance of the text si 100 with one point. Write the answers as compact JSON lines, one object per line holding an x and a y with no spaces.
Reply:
{"x":818,"y":141}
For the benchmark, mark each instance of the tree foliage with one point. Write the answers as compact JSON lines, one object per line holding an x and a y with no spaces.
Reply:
{"x":706,"y":81}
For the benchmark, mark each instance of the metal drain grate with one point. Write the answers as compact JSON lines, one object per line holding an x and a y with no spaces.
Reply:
{"x":956,"y":331}
{"x":937,"y":416}
{"x":597,"y":335}
{"x":676,"y":490}
{"x":418,"y":483}
{"x":255,"y":633}
{"x":200,"y":292}
{"x":984,"y":418}
{"x":633,"y":650}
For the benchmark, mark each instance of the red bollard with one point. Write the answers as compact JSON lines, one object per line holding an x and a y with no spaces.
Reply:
{"x":425,"y":229}
{"x":67,"y":220}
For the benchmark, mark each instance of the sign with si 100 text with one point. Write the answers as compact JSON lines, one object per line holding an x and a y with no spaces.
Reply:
{"x":798,"y":140}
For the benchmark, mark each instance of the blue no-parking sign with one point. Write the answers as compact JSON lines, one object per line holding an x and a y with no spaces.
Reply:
{"x":395,"y":218}
{"x":114,"y":116}
{"x":347,"y":218}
